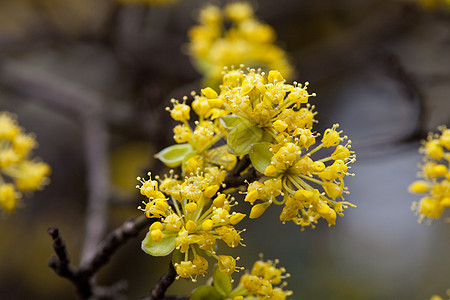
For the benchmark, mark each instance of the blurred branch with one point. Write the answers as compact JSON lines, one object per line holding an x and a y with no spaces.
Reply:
{"x":87,"y":107}
{"x":83,"y":277}
{"x":411,"y":88}
{"x":96,"y":157}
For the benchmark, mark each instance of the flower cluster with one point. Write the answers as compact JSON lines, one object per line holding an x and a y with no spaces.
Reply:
{"x":272,"y":121}
{"x":269,"y":121}
{"x":198,"y":218}
{"x":18,"y":172}
{"x":436,"y":176}
{"x":247,"y":41}
{"x":434,"y":4}
{"x":194,"y":151}
{"x":261,"y":282}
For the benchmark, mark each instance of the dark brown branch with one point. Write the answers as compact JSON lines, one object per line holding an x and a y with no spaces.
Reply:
{"x":234,"y":178}
{"x":113,"y":241}
{"x":83,"y":278}
{"x":163,"y":283}
{"x":60,"y":264}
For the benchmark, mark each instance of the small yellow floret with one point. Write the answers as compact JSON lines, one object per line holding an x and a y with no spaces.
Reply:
{"x":191,"y":227}
{"x":227,"y":264}
{"x":430,"y":207}
{"x":434,"y":149}
{"x":207,"y":225}
{"x":191,"y":207}
{"x":8,"y":197}
{"x":210,"y":93}
{"x":219,"y":201}
{"x":156,"y":235}
{"x":211,"y":191}
{"x":270,"y":171}
{"x":156,"y":225}
{"x":331,"y":137}
{"x":252,"y":196}
{"x":258,"y":210}
{"x":236,"y":218}
{"x":445,"y":202}
{"x":419,"y":186}
{"x":280,"y":125}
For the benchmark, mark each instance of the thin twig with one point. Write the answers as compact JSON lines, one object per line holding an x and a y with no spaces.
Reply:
{"x":114,"y":240}
{"x":83,"y":278}
{"x":163,"y":283}
{"x":60,"y":264}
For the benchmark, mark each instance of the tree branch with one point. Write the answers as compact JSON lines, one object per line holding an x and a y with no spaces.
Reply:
{"x":83,"y":278}
{"x":234,"y":178}
{"x":163,"y":284}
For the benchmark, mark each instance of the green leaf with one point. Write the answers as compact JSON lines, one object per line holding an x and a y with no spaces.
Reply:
{"x":172,"y":156}
{"x":205,"y":292}
{"x":231,"y":121}
{"x":222,"y":282}
{"x":220,"y":156}
{"x":267,"y":137}
{"x":161,"y":248}
{"x":242,"y":137}
{"x":260,"y":156}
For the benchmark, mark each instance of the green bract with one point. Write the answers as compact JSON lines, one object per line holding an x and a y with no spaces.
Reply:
{"x":219,"y":156}
{"x":222,"y":282}
{"x":161,"y":248}
{"x":172,"y":156}
{"x":231,"y":121}
{"x":260,"y":156}
{"x":242,"y":137}
{"x":205,"y":292}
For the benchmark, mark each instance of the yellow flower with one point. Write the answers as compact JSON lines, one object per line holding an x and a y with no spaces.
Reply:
{"x":262,"y":280}
{"x":436,"y":176}
{"x":199,"y":216}
{"x":197,"y":147}
{"x":16,"y":164}
{"x":272,"y":121}
{"x":8,"y":197}
{"x":247,"y":41}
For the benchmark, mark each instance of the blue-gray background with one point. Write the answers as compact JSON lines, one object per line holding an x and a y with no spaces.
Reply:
{"x":381,"y":69}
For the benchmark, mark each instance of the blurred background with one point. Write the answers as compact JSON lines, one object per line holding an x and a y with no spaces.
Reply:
{"x":92,"y":78}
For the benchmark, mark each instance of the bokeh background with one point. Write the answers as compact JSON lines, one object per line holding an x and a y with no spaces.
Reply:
{"x":380,"y":68}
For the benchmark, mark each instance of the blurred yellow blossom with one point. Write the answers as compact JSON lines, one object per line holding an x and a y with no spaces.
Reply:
{"x":213,"y":45}
{"x":148,"y":2}
{"x":19,"y":172}
{"x":436,"y":176}
{"x":434,"y":4}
